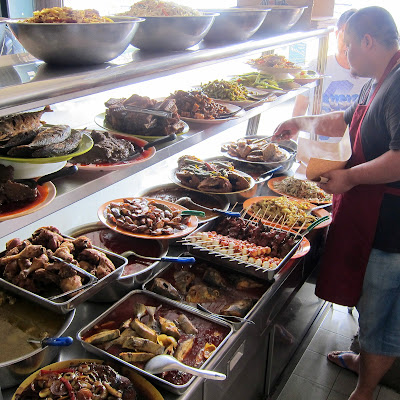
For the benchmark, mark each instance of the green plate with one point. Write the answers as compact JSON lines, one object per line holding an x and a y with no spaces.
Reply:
{"x":100,"y":120}
{"x":84,"y":146}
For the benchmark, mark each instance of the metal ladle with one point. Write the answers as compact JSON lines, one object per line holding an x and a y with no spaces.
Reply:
{"x":181,"y":260}
{"x":184,"y":200}
{"x":165,"y":362}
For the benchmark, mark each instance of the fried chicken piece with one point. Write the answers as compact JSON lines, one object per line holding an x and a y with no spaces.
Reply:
{"x":49,"y":237}
{"x":71,"y":283}
{"x":65,"y":250}
{"x":30,"y":251}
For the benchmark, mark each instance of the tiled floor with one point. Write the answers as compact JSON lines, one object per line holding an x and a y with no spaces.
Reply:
{"x":314,"y":377}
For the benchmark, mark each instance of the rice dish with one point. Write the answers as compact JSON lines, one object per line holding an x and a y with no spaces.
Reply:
{"x":157,"y":8}
{"x":66,"y":15}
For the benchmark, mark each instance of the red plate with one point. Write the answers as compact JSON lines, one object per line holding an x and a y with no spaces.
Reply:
{"x":146,"y":155}
{"x":47,"y":193}
{"x":303,"y":249}
{"x":192,"y":224}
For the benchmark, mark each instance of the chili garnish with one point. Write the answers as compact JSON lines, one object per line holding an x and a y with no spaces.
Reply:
{"x":56,"y":371}
{"x":69,"y":388}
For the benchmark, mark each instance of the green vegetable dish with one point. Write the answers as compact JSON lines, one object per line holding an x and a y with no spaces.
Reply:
{"x":258,"y":80}
{"x":225,"y":90}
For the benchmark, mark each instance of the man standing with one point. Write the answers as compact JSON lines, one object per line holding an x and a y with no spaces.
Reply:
{"x":340,"y":89}
{"x":361,"y":261}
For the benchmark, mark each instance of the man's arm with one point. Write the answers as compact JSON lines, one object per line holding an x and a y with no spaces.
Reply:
{"x":300,"y":106}
{"x":332,"y":125}
{"x":384,"y":169}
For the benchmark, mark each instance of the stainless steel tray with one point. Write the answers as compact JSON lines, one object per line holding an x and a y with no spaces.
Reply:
{"x":112,"y":312}
{"x":212,"y":307}
{"x":124,"y":283}
{"x":237,"y":263}
{"x":71,"y":303}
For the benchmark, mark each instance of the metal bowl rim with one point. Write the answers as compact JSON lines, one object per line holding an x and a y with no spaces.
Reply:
{"x":67,"y":322}
{"x":20,"y":22}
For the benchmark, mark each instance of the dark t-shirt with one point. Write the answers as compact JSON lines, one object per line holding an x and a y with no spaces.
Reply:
{"x":380,"y":132}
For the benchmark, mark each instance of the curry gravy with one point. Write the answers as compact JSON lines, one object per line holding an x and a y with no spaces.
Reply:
{"x":21,"y":320}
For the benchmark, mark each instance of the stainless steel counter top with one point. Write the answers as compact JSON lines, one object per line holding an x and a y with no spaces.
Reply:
{"x":26,"y":82}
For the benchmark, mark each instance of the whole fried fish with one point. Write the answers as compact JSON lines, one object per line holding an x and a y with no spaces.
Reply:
{"x":13,"y":124}
{"x":59,"y":149}
{"x":46,"y":137}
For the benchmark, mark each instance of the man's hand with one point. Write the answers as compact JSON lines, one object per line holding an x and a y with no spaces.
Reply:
{"x":286,"y":130}
{"x":338,"y":181}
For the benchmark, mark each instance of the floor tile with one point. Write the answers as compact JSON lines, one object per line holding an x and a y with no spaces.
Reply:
{"x":346,"y":382}
{"x":387,"y":394}
{"x":316,"y":368}
{"x":298,"y":388}
{"x":325,"y":341}
{"x":337,"y":396}
{"x":342,"y":323}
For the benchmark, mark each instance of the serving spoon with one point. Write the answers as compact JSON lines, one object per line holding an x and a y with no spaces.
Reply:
{"x":165,"y":362}
{"x":184,"y":200}
{"x":181,"y":260}
{"x":53,"y":341}
{"x":231,"y":318}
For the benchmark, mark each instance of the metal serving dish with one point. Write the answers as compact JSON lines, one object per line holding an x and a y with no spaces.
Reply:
{"x":14,"y":371}
{"x":301,"y":247}
{"x":228,"y":286}
{"x":171,"y":33}
{"x":75,"y":44}
{"x":65,"y":304}
{"x":280,"y":19}
{"x":123,"y":310}
{"x":235,"y":25}
{"x":136,"y":271}
{"x":289,"y":146}
{"x":171,"y":192}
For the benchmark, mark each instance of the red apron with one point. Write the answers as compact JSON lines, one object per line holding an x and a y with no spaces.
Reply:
{"x":355,"y":216}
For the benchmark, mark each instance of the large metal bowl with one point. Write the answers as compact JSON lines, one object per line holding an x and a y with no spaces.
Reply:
{"x":75,"y":44}
{"x":235,"y":25}
{"x":280,"y":19}
{"x":15,"y":371}
{"x":171,"y":33}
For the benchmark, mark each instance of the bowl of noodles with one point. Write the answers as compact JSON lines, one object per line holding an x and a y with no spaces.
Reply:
{"x":61,"y":35}
{"x":167,"y":26}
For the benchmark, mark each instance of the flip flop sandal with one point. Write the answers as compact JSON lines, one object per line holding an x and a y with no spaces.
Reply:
{"x":341,"y":359}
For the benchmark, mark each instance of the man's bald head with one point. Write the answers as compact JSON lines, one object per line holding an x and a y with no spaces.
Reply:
{"x":376,"y":22}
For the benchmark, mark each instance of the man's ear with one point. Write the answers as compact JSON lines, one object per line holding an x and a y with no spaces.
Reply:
{"x":368,"y":41}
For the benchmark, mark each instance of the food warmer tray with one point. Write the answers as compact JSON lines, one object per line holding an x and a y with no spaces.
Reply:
{"x":177,"y":389}
{"x":65,"y":306}
{"x":234,"y":263}
{"x":212,"y":308}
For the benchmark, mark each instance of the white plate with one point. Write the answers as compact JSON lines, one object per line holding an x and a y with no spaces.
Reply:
{"x":29,"y":171}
